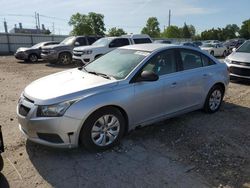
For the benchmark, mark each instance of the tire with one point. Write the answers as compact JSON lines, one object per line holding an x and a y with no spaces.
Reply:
{"x":212,"y":53}
{"x":65,"y":58}
{"x":214,"y":99}
{"x":1,"y":163}
{"x":97,"y":135}
{"x":33,"y":58}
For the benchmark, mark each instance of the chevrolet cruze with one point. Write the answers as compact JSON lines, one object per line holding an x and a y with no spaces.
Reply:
{"x":97,"y":104}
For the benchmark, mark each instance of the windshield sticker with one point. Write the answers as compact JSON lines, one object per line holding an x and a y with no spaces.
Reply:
{"x":142,"y":53}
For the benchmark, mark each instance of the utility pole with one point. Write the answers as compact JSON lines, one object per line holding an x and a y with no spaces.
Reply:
{"x":38,"y":20}
{"x":5,"y":26}
{"x":169,"y":18}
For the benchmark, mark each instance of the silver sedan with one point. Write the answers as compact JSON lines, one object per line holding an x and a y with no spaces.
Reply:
{"x":134,"y":85}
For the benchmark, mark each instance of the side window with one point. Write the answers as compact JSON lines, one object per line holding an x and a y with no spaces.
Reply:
{"x":119,"y":42}
{"x":162,"y":63}
{"x":82,"y":41}
{"x":206,"y":61}
{"x":190,"y":59}
{"x":91,"y":40}
{"x":142,"y":40}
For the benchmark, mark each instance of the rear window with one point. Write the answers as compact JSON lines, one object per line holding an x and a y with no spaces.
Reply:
{"x":142,"y":40}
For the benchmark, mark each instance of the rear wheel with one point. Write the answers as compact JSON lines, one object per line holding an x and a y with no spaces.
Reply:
{"x":103,"y":129}
{"x":214,"y":99}
{"x":33,"y":58}
{"x":65,"y":58}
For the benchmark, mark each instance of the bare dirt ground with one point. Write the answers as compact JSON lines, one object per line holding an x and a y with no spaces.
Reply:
{"x":193,"y":150}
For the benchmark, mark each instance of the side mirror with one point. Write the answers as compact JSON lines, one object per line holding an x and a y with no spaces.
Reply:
{"x":39,"y":48}
{"x":148,"y":76}
{"x":77,"y":44}
{"x":234,"y":49}
{"x":112,"y":45}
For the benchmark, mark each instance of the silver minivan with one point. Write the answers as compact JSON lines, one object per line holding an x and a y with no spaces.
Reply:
{"x":133,"y":85}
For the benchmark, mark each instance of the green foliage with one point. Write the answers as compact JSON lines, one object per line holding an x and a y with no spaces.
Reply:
{"x":152,"y":28}
{"x":172,"y":32}
{"x":192,"y":30}
{"x":91,"y":24}
{"x":116,"y":32}
{"x":185,"y":31}
{"x":245,"y":29}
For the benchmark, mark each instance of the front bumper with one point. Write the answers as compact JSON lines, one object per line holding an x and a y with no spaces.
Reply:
{"x":59,"y":132}
{"x":21,"y":55}
{"x":85,"y":59}
{"x":238,"y":70}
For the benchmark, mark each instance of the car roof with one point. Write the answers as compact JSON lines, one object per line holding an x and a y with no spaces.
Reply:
{"x":150,"y":47}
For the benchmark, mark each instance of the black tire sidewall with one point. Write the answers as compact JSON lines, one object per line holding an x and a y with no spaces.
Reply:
{"x":85,"y":134}
{"x":212,"y":53}
{"x":60,"y":56}
{"x":207,"y":108}
{"x":1,"y":163}
{"x":31,"y":56}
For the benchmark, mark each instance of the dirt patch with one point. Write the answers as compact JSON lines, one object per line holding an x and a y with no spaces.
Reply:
{"x":193,"y":150}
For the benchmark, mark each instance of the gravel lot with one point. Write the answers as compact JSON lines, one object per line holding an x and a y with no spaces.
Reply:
{"x":193,"y":150}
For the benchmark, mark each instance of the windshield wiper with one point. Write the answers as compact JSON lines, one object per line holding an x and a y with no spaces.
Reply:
{"x":100,"y":74}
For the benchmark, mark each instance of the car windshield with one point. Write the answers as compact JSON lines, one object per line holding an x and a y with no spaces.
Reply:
{"x":68,"y":40}
{"x":38,"y":45}
{"x":118,"y":63}
{"x":102,"y":42}
{"x":245,"y":48}
{"x":208,"y":45}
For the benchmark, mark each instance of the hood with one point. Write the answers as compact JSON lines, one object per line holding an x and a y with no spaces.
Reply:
{"x":66,"y":85}
{"x":239,"y":56}
{"x":22,"y":49}
{"x":82,"y":48}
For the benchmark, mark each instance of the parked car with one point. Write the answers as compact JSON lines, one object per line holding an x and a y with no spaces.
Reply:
{"x":33,"y":53}
{"x":97,"y":104}
{"x":62,"y":53}
{"x":190,"y":44}
{"x":163,"y":41}
{"x":239,"y":61}
{"x":233,"y":43}
{"x":87,"y":54}
{"x":1,"y":149}
{"x":215,"y":49}
{"x":197,"y":43}
{"x":210,"y":41}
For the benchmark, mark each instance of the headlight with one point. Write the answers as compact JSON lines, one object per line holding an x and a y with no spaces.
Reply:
{"x":87,"y":52}
{"x":54,"y":110}
{"x":228,"y":60}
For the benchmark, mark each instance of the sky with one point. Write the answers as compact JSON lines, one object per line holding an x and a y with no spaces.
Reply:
{"x":131,"y":15}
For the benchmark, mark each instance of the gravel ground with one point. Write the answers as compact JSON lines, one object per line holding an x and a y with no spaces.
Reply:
{"x":193,"y":150}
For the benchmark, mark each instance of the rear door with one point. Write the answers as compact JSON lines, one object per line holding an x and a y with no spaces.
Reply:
{"x":194,"y":77}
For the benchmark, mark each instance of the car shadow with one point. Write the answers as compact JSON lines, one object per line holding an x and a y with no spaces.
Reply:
{"x":61,"y":66}
{"x":28,"y":62}
{"x":241,"y":81}
{"x":202,"y":141}
{"x":3,"y":181}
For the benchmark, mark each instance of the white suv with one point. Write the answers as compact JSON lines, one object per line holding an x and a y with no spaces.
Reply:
{"x":86,"y":54}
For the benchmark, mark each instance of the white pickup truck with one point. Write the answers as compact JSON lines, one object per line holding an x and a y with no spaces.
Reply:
{"x":86,"y":54}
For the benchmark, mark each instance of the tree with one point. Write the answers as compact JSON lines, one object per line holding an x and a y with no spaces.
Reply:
{"x":185,"y":31}
{"x":245,"y":29}
{"x":172,"y":32}
{"x":192,"y":30}
{"x":116,"y":32}
{"x":91,"y":24}
{"x":152,"y":28}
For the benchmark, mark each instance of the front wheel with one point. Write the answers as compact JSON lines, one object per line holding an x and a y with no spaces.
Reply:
{"x":33,"y":58}
{"x":1,"y":163}
{"x":65,"y":58}
{"x":214,"y":99}
{"x":224,"y":53}
{"x":103,"y":129}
